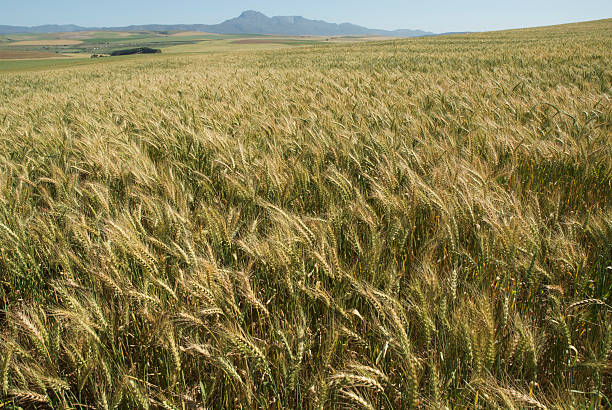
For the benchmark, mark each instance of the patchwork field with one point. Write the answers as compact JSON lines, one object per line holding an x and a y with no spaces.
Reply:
{"x":274,"y":41}
{"x":45,"y":43}
{"x":105,"y":42}
{"x":421,"y":223}
{"x":12,"y":54}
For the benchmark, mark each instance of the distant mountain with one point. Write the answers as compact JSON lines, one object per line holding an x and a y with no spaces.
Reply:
{"x":254,"y":22}
{"x":249,"y":22}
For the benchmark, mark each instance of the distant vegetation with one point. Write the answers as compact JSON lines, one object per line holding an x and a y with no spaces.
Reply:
{"x":132,"y":51}
{"x":400,"y":224}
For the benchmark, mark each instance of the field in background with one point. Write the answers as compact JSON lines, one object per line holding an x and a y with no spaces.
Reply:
{"x":83,"y":44}
{"x":99,"y":42}
{"x":394,"y":224}
{"x":25,"y":55}
{"x":44,"y":43}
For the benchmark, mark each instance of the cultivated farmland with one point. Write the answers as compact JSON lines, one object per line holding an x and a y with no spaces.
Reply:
{"x":394,"y":224}
{"x":84,"y":44}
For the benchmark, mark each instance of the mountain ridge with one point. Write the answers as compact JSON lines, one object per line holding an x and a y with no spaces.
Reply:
{"x":248,"y":22}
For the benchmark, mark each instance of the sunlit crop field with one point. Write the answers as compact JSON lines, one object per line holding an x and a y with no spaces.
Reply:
{"x":395,"y":224}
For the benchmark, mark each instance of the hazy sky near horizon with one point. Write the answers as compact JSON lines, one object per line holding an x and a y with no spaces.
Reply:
{"x":433,"y":15}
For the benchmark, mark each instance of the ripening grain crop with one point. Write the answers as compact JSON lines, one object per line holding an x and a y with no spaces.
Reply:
{"x":415,"y":223}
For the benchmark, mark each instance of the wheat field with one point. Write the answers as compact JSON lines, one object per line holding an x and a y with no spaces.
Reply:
{"x":420,"y":223}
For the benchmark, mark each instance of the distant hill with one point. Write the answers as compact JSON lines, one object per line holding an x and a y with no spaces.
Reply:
{"x":49,"y":28}
{"x":249,"y":22}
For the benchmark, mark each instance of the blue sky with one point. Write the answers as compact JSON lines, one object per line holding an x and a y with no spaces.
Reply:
{"x":433,"y":15}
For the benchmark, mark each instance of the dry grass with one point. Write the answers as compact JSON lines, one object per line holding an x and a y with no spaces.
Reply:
{"x":61,"y":42}
{"x":263,"y":41}
{"x":14,"y":54}
{"x":382,"y":225}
